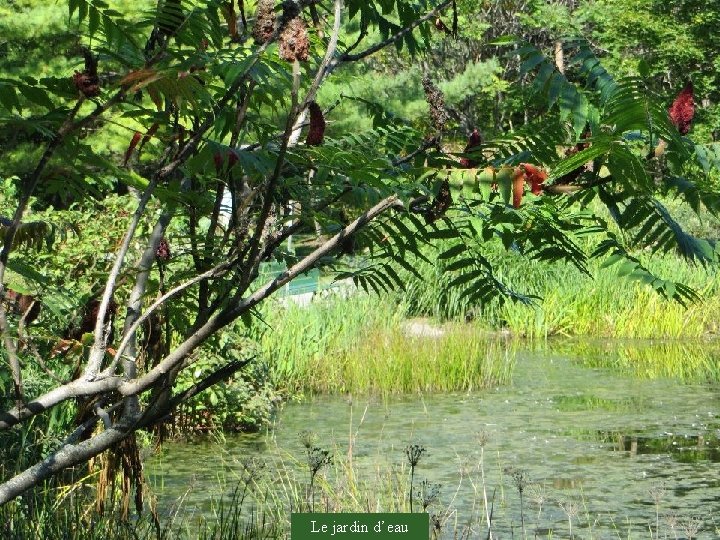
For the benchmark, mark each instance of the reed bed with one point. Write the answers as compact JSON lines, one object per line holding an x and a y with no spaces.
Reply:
{"x":687,"y":360}
{"x":570,"y":303}
{"x":363,"y":344}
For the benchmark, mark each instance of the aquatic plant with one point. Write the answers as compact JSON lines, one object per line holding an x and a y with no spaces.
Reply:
{"x":363,"y":345}
{"x":428,"y":493}
{"x":520,"y":480}
{"x":413,"y":452}
{"x":317,"y":458}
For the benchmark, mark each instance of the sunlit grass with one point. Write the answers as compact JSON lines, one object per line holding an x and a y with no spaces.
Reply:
{"x":389,"y":361}
{"x":363,"y":345}
{"x":366,"y":344}
{"x":683,"y":360}
{"x":571,"y":303}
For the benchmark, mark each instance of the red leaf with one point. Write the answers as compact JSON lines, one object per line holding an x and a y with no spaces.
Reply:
{"x":149,"y":135}
{"x":62,"y":347}
{"x":219,"y":160}
{"x":317,"y":125}
{"x":518,"y":186}
{"x":682,"y":109}
{"x":232,"y":159}
{"x":474,"y":141}
{"x":133,"y":143}
{"x":535,"y":177}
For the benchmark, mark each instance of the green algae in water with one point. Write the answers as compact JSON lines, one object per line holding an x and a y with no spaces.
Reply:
{"x":589,"y":439}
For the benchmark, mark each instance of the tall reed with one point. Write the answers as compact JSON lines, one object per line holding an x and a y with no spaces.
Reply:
{"x":571,"y":303}
{"x":687,"y":360}
{"x":362,"y":344}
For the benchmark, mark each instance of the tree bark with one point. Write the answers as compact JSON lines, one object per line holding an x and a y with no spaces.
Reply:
{"x":559,"y":57}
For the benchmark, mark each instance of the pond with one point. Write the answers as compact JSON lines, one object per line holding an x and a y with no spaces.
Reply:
{"x":606,"y":452}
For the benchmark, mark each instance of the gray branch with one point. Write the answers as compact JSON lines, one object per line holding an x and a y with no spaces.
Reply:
{"x":67,"y":456}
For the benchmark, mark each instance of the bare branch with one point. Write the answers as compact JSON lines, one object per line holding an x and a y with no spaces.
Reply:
{"x":305,"y":264}
{"x":100,"y":414}
{"x":155,"y":305}
{"x":84,"y":388}
{"x":227,"y":305}
{"x":176,"y":357}
{"x":290,"y":136}
{"x":232,"y":312}
{"x":97,"y":352}
{"x":13,"y":358}
{"x":323,"y":70}
{"x":98,"y":349}
{"x":255,"y":243}
{"x":77,"y":388}
{"x":134,"y":305}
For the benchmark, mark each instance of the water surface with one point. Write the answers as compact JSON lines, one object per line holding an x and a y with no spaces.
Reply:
{"x":610,"y":446}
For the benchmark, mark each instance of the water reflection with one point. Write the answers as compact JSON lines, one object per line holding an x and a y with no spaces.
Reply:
{"x":692,"y":360}
{"x":579,"y":419}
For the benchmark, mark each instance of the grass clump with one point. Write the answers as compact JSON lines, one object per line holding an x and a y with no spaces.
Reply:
{"x":363,"y":344}
{"x":393,"y":362}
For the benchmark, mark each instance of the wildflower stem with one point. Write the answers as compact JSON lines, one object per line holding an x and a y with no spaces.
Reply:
{"x":412,"y":477}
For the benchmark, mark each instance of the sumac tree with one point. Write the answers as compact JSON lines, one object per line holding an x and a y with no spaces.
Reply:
{"x":215,"y":100}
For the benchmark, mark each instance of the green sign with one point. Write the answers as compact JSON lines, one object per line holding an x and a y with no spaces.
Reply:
{"x":315,"y":526}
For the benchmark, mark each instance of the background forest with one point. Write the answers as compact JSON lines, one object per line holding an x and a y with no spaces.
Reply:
{"x":577,"y":90}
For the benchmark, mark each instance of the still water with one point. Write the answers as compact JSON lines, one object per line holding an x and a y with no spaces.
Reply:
{"x":610,"y":453}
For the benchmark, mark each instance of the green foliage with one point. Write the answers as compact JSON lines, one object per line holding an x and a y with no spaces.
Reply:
{"x":566,"y":302}
{"x":244,"y":402}
{"x":196,"y":120}
{"x":675,"y":39}
{"x":620,"y":178}
{"x":478,"y":78}
{"x":558,"y":18}
{"x":389,"y":17}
